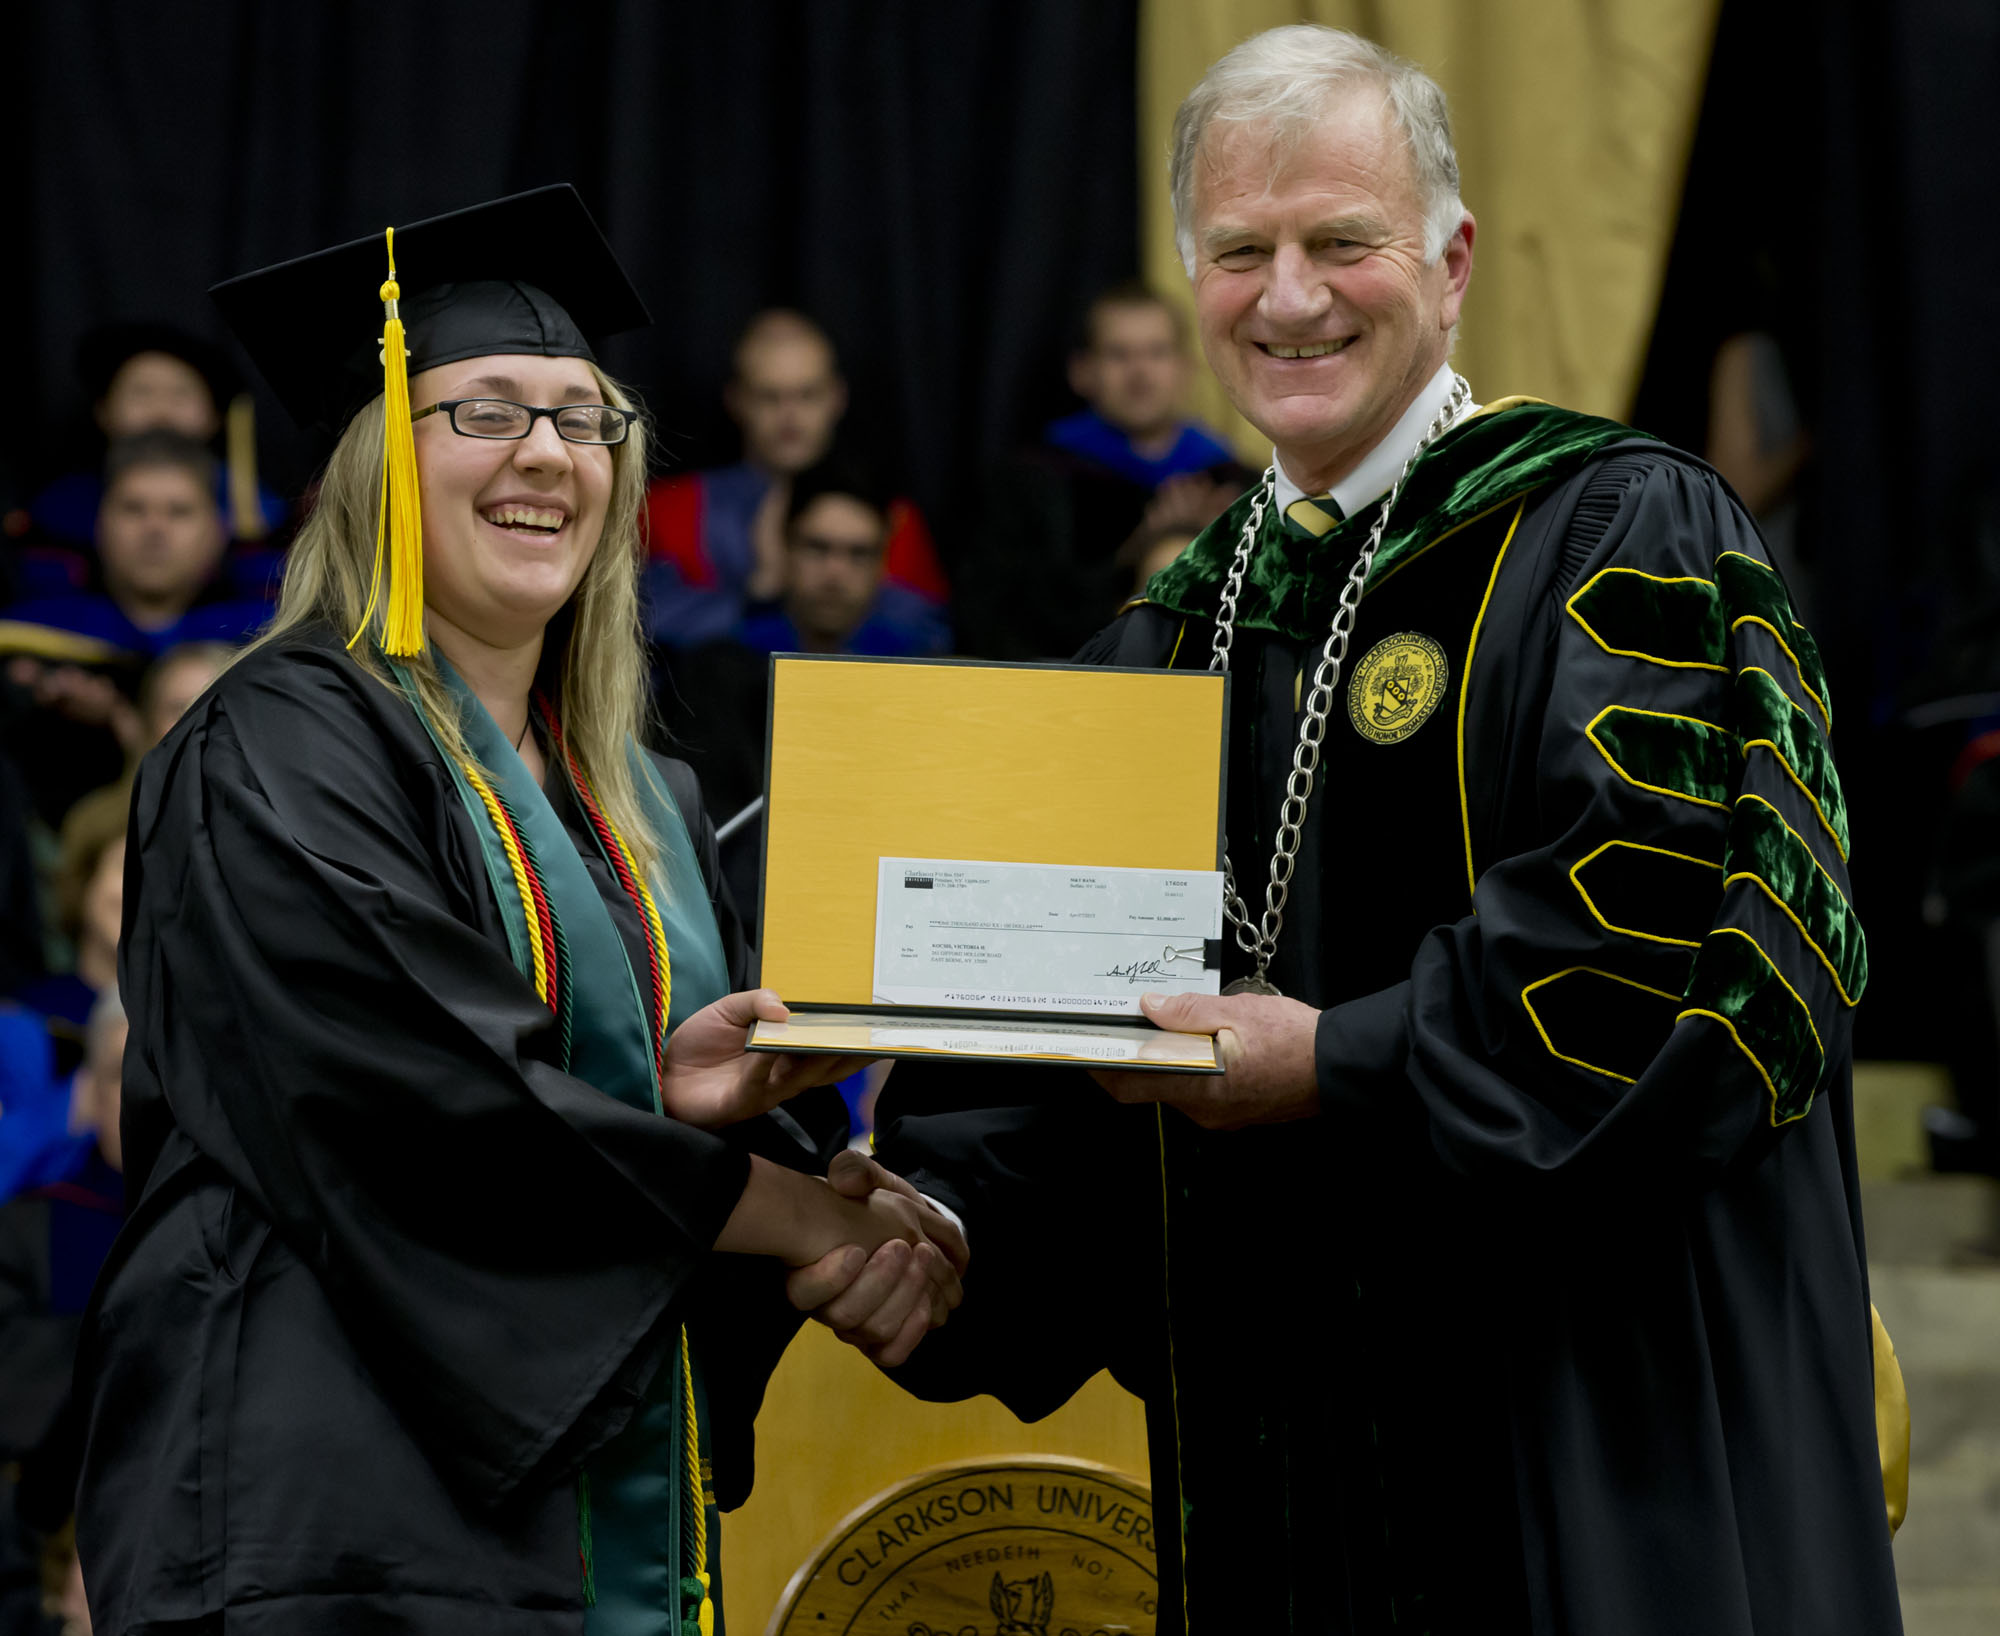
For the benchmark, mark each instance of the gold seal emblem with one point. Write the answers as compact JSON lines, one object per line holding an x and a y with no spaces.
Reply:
{"x":1396,"y":686}
{"x":1035,"y":1546}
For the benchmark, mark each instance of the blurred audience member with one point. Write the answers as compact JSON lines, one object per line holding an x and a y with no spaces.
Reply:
{"x":34,"y":1104}
{"x":835,"y":532}
{"x":72,"y":658}
{"x":1148,"y":550}
{"x":1758,"y":440}
{"x":1049,"y":562}
{"x":89,"y":892}
{"x":170,"y":684}
{"x":53,"y":1239}
{"x":717,"y":537}
{"x":43,"y":1023}
{"x":1131,"y":369}
{"x":160,"y":540}
{"x":715,"y":697}
{"x":173,"y":682}
{"x":155,"y":377}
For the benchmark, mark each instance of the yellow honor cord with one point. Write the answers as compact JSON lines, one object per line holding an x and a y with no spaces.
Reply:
{"x":402,"y":509}
{"x":539,"y":956}
{"x":697,"y":1489}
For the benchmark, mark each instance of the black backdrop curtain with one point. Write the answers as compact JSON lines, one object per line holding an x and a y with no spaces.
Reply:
{"x":942,"y":185}
{"x":1843,"y":197}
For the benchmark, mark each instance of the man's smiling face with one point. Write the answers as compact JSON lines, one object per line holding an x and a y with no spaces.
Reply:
{"x":1318,"y":312}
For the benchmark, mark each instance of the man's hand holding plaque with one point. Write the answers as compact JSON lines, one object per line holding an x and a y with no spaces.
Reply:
{"x":1265,"y":1042}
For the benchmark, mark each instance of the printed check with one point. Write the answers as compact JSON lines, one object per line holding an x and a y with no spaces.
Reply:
{"x":966,"y":935}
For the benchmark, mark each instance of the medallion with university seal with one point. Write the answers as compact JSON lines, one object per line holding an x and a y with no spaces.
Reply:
{"x":1396,"y":687}
{"x":1032,"y":1546}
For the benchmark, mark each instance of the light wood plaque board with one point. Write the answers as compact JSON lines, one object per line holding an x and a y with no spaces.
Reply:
{"x":1046,"y":764}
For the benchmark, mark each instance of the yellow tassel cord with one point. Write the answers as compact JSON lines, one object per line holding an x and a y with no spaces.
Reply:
{"x":246,"y":510}
{"x":400,"y":518}
{"x":697,"y":1488}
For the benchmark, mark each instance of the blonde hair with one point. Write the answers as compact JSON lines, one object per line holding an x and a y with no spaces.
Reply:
{"x":602,"y":666}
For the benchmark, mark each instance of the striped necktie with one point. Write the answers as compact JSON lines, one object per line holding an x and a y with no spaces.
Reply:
{"x":1318,"y":516}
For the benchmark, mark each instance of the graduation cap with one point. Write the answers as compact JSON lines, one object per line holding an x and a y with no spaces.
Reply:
{"x":530,"y":273}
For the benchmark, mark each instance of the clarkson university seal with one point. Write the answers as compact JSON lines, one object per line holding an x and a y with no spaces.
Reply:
{"x":1033,"y":1546}
{"x":1396,"y":686}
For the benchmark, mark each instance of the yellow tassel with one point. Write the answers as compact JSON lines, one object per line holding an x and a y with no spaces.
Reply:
{"x":403,"y":622}
{"x":706,"y":1618}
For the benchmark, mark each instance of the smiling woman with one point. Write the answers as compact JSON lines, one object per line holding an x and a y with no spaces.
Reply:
{"x":457,"y":1263}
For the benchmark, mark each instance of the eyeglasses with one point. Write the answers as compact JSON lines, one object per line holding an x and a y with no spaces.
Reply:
{"x":498,"y":418}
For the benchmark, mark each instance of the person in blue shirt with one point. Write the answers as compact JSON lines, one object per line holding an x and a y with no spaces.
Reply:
{"x":35,"y":1142}
{"x":1131,"y":368}
{"x":1049,"y":561}
{"x":160,"y":541}
{"x":73,"y":658}
{"x":88,"y":889}
{"x":837,"y":523}
{"x":56,"y":1228}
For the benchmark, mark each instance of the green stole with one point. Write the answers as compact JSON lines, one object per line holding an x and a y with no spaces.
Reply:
{"x":1495,"y":456}
{"x":635,"y":1525}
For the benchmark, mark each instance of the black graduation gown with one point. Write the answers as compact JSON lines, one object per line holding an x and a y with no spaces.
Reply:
{"x":390,"y":1272}
{"x":1542,"y":1323}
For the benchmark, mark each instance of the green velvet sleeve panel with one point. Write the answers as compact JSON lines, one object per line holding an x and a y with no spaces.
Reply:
{"x":1767,"y":853}
{"x":1771,"y":720}
{"x":1661,"y":953}
{"x":1740,"y":986}
{"x":1755,"y":596}
{"x":1787,"y":955}
{"x":1666,"y":620}
{"x":1665,"y":753}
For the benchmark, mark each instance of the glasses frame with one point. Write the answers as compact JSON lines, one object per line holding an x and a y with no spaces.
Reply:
{"x":450,"y":407}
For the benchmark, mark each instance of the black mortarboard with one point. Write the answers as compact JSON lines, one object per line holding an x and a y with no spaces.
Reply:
{"x":526,"y":274}
{"x":106,"y":349}
{"x":530,"y":273}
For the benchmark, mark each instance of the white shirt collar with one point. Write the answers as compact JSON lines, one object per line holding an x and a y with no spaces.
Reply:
{"x":1378,"y":470}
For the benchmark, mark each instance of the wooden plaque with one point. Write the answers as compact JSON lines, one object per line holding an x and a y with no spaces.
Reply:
{"x":1033,"y":1546}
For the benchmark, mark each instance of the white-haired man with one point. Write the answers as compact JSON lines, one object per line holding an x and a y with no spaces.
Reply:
{"x":1510,"y":1279}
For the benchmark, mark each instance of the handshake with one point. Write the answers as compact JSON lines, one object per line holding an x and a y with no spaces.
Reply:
{"x":885,"y":1300}
{"x":870,"y":1257}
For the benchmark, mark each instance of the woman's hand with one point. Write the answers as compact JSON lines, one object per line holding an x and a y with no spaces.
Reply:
{"x":884,"y":1303}
{"x":877,"y":1260}
{"x":711,"y":1080}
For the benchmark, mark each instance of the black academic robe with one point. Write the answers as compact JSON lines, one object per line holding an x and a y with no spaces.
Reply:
{"x":1554,"y":1318}
{"x":390,"y":1272}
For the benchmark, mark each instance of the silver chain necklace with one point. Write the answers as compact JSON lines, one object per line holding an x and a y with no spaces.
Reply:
{"x":1259,"y":938}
